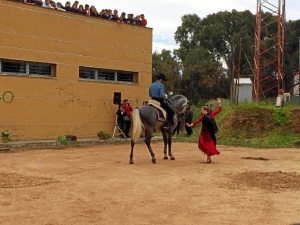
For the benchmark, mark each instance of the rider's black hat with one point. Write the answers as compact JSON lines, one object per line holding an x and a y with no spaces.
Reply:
{"x":161,"y":76}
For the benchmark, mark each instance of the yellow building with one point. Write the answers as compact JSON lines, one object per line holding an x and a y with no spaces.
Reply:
{"x":59,"y":71}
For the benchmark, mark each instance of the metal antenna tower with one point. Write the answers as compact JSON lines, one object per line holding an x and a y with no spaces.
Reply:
{"x":269,"y":48}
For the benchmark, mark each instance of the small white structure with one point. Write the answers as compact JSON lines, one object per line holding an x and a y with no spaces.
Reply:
{"x":243,"y":89}
{"x":296,"y":83}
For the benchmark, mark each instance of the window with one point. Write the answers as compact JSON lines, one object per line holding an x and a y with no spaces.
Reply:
{"x":125,"y":76}
{"x":13,"y":67}
{"x":26,"y":68}
{"x":39,"y":69}
{"x":107,"y":75}
{"x":87,"y":73}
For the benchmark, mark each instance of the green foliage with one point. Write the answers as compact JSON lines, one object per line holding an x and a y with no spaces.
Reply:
{"x":63,"y":139}
{"x":5,"y":135}
{"x":273,"y":127}
{"x":281,"y":117}
{"x":167,"y":64}
{"x":103,"y":135}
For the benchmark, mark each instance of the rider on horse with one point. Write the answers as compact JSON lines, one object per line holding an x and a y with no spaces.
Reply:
{"x":157,"y":92}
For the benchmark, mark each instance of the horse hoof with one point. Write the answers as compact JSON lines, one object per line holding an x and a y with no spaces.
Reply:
{"x":172,"y":158}
{"x":166,"y":157}
{"x":153,"y":161}
{"x":130,"y":162}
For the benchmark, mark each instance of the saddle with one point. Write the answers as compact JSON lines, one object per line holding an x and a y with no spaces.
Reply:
{"x":161,"y":113}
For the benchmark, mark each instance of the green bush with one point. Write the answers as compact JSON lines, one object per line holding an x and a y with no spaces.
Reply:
{"x":63,"y":139}
{"x":103,"y":135}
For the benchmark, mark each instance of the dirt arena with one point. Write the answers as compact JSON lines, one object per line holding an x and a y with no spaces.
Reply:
{"x":97,"y":185}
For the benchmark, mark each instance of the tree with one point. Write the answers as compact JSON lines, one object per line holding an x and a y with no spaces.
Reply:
{"x":291,"y":52}
{"x":166,"y":63}
{"x":187,"y":35}
{"x":202,"y":76}
{"x":219,"y":33}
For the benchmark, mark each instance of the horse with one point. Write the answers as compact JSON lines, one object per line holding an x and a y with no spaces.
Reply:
{"x":146,"y":118}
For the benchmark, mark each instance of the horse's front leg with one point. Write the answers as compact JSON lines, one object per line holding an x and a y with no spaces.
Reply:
{"x":148,"y":137}
{"x":170,"y":146}
{"x":165,"y":138}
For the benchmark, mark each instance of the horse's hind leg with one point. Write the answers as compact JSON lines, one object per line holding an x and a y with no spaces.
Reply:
{"x":165,"y":138}
{"x":131,"y":153}
{"x":148,"y":137}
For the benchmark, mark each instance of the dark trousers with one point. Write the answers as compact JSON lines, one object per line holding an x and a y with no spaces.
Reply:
{"x":169,"y":110}
{"x":177,"y":128}
{"x":189,"y":130}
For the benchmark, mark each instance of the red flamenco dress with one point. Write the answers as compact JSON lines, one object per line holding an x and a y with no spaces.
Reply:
{"x":207,"y":139}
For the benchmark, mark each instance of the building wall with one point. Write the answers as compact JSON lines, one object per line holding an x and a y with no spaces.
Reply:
{"x":245,"y":93}
{"x":35,"y":107}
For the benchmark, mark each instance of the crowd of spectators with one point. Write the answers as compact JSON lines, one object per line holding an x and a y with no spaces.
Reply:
{"x":88,"y":10}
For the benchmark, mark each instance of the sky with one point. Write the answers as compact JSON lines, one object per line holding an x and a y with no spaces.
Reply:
{"x":164,"y":16}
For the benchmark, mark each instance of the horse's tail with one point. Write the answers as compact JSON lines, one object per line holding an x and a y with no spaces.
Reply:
{"x":136,"y":125}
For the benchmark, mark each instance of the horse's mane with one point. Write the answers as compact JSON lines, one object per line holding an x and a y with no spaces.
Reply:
{"x":176,"y":97}
{"x":178,"y":100}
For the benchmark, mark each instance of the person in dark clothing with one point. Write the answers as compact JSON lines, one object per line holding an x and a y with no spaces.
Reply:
{"x":123,"y":120}
{"x":188,"y":119}
{"x":177,"y":128}
{"x":157,"y":92}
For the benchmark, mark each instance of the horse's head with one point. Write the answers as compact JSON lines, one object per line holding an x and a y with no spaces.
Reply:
{"x":180,"y":103}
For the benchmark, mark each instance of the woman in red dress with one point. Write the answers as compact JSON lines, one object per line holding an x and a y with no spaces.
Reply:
{"x":207,"y":139}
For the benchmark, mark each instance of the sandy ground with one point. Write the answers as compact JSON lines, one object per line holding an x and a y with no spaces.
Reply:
{"x":97,"y":185}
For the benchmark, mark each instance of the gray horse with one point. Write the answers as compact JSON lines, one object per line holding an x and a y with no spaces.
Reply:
{"x":145,"y":117}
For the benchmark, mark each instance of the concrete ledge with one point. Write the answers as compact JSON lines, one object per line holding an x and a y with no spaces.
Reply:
{"x":42,"y":144}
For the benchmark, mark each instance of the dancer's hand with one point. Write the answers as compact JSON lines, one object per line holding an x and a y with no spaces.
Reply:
{"x":219,"y":101}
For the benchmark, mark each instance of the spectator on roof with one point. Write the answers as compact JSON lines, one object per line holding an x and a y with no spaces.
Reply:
{"x":93,"y":11}
{"x":123,"y":18}
{"x":68,"y":7}
{"x":138,"y":21}
{"x":33,"y":2}
{"x":53,"y":4}
{"x":128,"y":19}
{"x":115,"y":15}
{"x":75,"y":6}
{"x":86,"y":10}
{"x":59,"y":6}
{"x":109,"y":14}
{"x":80,"y":9}
{"x":47,"y":4}
{"x":144,"y":21}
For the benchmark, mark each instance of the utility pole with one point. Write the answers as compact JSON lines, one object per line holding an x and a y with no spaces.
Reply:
{"x":269,"y":48}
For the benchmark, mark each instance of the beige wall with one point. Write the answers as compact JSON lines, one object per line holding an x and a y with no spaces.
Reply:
{"x":45,"y":108}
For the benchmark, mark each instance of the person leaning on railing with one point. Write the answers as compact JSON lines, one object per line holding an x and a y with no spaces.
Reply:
{"x":139,"y":20}
{"x":33,"y":2}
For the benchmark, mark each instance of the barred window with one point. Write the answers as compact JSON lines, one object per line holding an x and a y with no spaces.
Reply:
{"x":107,"y":75}
{"x":13,"y":67}
{"x":39,"y":69}
{"x":26,"y":68}
{"x":125,"y":76}
{"x":87,"y":73}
